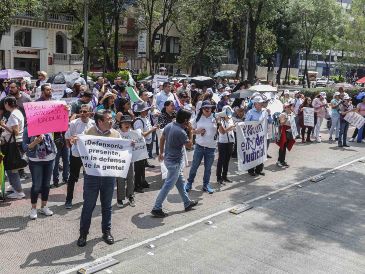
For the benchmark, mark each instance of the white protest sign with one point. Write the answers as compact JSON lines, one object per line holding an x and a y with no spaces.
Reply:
{"x":251,"y":144}
{"x":355,"y":119}
{"x":104,"y":156}
{"x":139,"y":150}
{"x":293,"y":126}
{"x":308,"y":117}
{"x":57,"y":91}
{"x":69,"y":100}
{"x":159,"y":78}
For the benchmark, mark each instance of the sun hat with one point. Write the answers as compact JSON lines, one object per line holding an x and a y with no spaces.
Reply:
{"x":142,"y":106}
{"x":226,"y":93}
{"x":286,"y":91}
{"x":126,"y":119}
{"x":207,"y":104}
{"x":258,"y":99}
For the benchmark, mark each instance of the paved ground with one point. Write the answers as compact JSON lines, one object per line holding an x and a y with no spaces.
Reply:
{"x":48,"y":245}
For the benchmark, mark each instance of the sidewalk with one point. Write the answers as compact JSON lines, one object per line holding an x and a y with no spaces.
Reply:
{"x":48,"y":245}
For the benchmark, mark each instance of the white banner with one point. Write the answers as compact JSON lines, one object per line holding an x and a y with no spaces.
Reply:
{"x":158,"y":79}
{"x":139,"y":151}
{"x":308,"y":116}
{"x":251,"y":144}
{"x":104,"y":156}
{"x":355,"y":119}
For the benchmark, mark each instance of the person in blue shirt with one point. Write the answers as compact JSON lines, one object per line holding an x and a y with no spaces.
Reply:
{"x":164,"y":95}
{"x":257,"y":113}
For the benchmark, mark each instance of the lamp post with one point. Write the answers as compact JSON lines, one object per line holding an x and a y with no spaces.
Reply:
{"x":86,"y":38}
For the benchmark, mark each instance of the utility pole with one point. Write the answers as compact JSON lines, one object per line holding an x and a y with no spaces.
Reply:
{"x":86,"y":38}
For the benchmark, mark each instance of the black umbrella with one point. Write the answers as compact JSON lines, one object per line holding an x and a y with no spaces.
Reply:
{"x":202,"y":81}
{"x":243,"y":93}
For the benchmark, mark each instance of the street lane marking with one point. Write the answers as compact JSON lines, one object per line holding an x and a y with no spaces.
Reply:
{"x":206,"y":218}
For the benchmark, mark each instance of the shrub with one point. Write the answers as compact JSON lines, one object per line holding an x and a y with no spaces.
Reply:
{"x":142,"y":75}
{"x":313,"y":92}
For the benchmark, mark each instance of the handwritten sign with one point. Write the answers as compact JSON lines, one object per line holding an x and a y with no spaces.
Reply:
{"x":103,"y":156}
{"x":251,"y":144}
{"x":308,"y":116}
{"x":46,"y":117}
{"x":355,"y":119}
{"x":157,"y":79}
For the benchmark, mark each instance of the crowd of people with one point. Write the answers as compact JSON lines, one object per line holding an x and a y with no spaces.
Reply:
{"x":171,"y":117}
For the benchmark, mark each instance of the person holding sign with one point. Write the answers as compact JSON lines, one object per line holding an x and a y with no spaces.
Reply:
{"x":172,"y":143}
{"x":303,"y":126}
{"x":287,"y":140}
{"x":93,"y":185}
{"x":320,"y":108}
{"x":335,"y":115}
{"x":345,"y":107}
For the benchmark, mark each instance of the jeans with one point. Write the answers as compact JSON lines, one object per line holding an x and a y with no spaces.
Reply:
{"x":174,"y":177}
{"x":201,"y":152}
{"x":224,"y":155}
{"x":65,"y":154}
{"x":75,"y":166}
{"x":342,"y":138}
{"x":317,"y":128}
{"x":92,"y":186}
{"x":122,"y":192}
{"x":14,"y":180}
{"x":282,"y":153}
{"x":335,"y":125}
{"x":297,"y":124}
{"x":41,"y":179}
{"x":149,"y":149}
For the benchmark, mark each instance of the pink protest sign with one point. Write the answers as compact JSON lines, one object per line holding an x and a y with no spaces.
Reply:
{"x":46,"y":117}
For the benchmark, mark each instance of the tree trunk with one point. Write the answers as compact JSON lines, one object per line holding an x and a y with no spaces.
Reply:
{"x":305,"y":74}
{"x":278,"y":76}
{"x":116,"y":36}
{"x":251,"y":51}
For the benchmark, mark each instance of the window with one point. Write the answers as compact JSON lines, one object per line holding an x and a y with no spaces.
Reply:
{"x":23,"y":38}
{"x":61,"y":43}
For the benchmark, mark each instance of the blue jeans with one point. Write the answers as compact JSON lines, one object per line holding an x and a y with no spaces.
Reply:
{"x":344,"y":127}
{"x":92,"y":186}
{"x":41,"y":179}
{"x":174,"y":177}
{"x":335,"y":124}
{"x":65,"y":154}
{"x":14,"y":180}
{"x":201,"y":152}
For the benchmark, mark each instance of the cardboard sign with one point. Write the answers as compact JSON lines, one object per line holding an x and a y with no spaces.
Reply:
{"x":251,"y":144}
{"x":104,"y":156}
{"x":139,"y":150}
{"x":308,"y":116}
{"x":355,"y":119}
{"x":46,"y":117}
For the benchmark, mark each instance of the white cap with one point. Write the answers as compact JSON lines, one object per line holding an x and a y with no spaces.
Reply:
{"x":226,"y":93}
{"x":149,"y":94}
{"x":296,"y":91}
{"x":337,"y":93}
{"x":210,"y":90}
{"x":257,"y":99}
{"x":286,"y":91}
{"x":323,"y":94}
{"x":346,"y":97}
{"x":227,"y":89}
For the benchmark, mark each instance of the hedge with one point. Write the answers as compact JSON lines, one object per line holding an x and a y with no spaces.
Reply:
{"x":313,"y":92}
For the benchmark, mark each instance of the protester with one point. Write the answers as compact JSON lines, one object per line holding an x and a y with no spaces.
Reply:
{"x":164,"y":95}
{"x":20,"y":97}
{"x":172,"y":141}
{"x":298,"y":101}
{"x":285,"y":96}
{"x":95,"y":184}
{"x":360,"y":108}
{"x":225,"y":143}
{"x":306,"y":104}
{"x":287,"y":139}
{"x":257,"y":114}
{"x":205,"y":129}
{"x":77,"y":126}
{"x":125,"y":186}
{"x":107,"y":103}
{"x":320,"y":108}
{"x":167,"y":114}
{"x":41,"y":151}
{"x":42,"y":78}
{"x":335,"y":116}
{"x":85,"y":98}
{"x":13,"y":128}
{"x":345,"y":107}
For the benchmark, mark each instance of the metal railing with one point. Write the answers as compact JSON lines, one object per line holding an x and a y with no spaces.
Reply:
{"x":67,"y":59}
{"x":50,"y":17}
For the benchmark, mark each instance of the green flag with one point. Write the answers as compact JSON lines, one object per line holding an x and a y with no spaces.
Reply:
{"x":131,"y":81}
{"x":133,"y":95}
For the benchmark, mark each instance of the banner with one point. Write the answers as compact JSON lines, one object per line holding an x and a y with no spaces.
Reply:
{"x":104,"y":156}
{"x":133,"y":95}
{"x":46,"y":117}
{"x":159,"y":79}
{"x":355,"y":119}
{"x":139,"y":151}
{"x":308,"y":117}
{"x":251,"y":144}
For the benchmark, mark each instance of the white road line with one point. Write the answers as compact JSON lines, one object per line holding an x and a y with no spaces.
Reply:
{"x":167,"y":233}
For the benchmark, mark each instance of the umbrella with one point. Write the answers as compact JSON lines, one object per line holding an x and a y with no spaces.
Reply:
{"x":344,"y":85}
{"x":13,"y":73}
{"x":361,"y":95}
{"x":263,"y":88}
{"x":68,"y":78}
{"x":225,"y":74}
{"x":202,"y":81}
{"x":243,"y":93}
{"x":361,"y":81}
{"x":275,"y":106}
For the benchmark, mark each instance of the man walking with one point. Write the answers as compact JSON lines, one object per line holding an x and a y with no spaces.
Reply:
{"x":95,"y":184}
{"x":172,"y":142}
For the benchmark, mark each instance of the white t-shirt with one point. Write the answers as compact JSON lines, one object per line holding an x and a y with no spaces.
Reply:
{"x":15,"y":118}
{"x":144,"y":126}
{"x":210,"y":126}
{"x":298,"y":103}
{"x":77,"y":127}
{"x":229,"y":136}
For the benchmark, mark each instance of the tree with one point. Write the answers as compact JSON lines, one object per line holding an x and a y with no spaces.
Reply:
{"x":312,"y":19}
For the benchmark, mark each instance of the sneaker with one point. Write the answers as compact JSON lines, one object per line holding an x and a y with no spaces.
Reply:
{"x":346,"y":146}
{"x":10,"y":188}
{"x":132,"y":203}
{"x":16,"y":195}
{"x":139,"y":190}
{"x":220,"y":182}
{"x":68,"y":204}
{"x":55,"y":184}
{"x":268,"y":156}
{"x":158,"y":213}
{"x":120,"y":204}
{"x":352,"y":139}
{"x":330,"y":139}
{"x":318,"y":140}
{"x":46,"y":211}
{"x":279,"y":164}
{"x":33,"y":214}
{"x":208,"y":189}
{"x":191,"y":205}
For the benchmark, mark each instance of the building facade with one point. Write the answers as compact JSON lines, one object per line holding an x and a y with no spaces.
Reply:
{"x":32,"y":45}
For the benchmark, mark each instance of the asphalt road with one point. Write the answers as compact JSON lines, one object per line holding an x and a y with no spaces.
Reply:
{"x":316,"y":228}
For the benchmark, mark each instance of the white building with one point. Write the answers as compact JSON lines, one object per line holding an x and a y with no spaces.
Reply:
{"x":32,"y":45}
